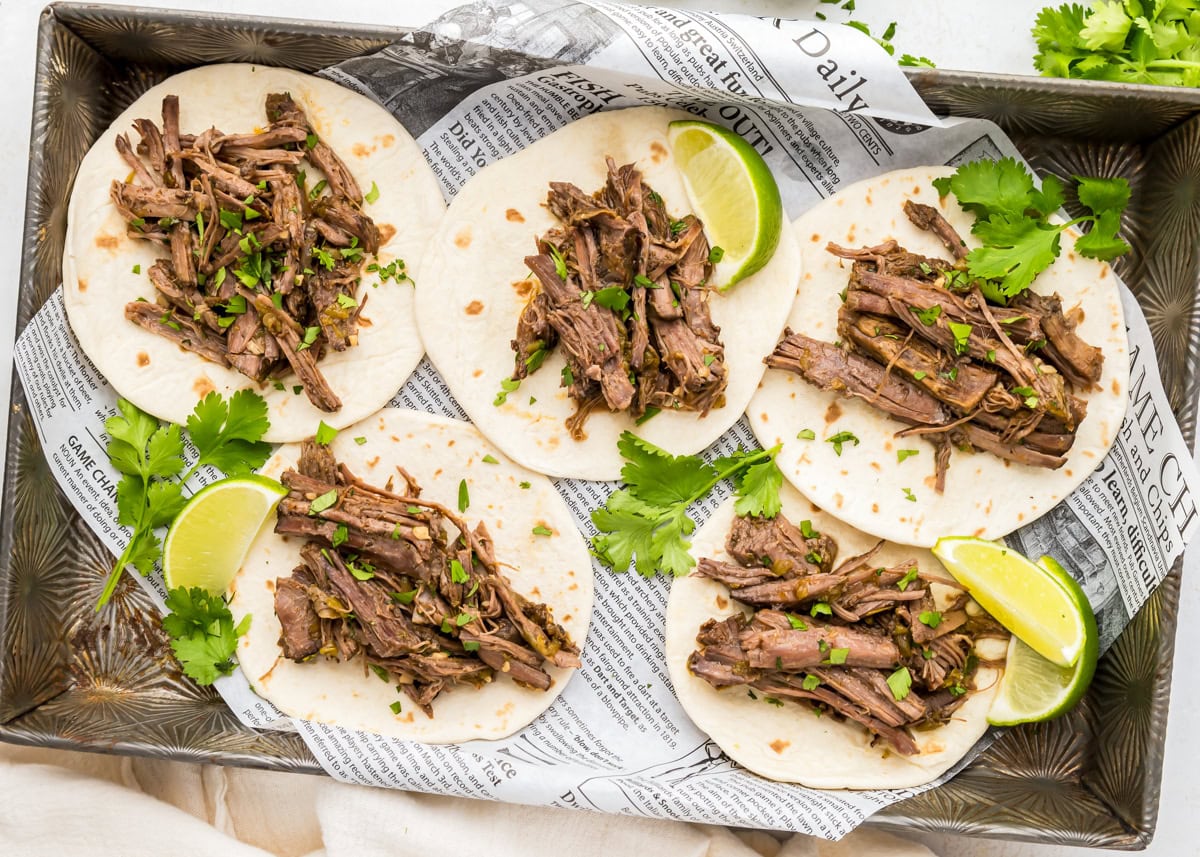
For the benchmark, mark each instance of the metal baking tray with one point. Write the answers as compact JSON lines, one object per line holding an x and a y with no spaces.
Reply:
{"x":106,"y":682}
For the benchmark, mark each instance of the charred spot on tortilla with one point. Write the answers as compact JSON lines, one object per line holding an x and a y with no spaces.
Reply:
{"x":920,"y":342}
{"x":858,"y":641}
{"x":623,"y":286}
{"x":514,"y":216}
{"x":406,"y":586}
{"x":260,"y":267}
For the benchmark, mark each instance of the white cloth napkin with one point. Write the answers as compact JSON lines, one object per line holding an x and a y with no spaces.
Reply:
{"x":55,"y":803}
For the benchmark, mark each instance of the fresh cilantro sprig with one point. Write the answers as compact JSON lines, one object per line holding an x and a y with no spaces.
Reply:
{"x":1135,"y":41}
{"x":227,"y":435}
{"x":202,"y":633}
{"x":648,"y":519}
{"x":1011,"y":221}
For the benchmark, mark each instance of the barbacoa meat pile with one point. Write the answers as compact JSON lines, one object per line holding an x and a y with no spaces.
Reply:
{"x":624,"y":293}
{"x":381,"y":579}
{"x":263,"y":270}
{"x":855,"y":641}
{"x":920,"y":342}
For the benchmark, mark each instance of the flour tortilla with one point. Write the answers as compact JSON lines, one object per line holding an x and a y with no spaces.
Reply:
{"x":159,"y":376}
{"x":473,"y":288}
{"x":788,"y":743}
{"x":985,"y":496}
{"x":438,"y":453}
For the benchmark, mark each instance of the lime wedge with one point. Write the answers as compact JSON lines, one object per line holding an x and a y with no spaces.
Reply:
{"x":1038,"y":602}
{"x":1034,"y":689}
{"x":732,"y":190}
{"x":208,"y":540}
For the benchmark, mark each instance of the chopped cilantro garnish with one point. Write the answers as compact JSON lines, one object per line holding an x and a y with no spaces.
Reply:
{"x":568,"y":377}
{"x":360,"y":440}
{"x":396,"y":707}
{"x":796,"y":622}
{"x":899,"y":682}
{"x":820,"y":608}
{"x":540,"y":530}
{"x":464,"y":496}
{"x":323,"y":502}
{"x":373,"y":194}
{"x":909,"y":495}
{"x":325,"y":434}
{"x":340,"y":535}
{"x":716,"y":254}
{"x":508,"y":385}
{"x":918,"y":375}
{"x":928,"y":316}
{"x":458,"y":574}
{"x":651,"y":413}
{"x":841,"y":438}
{"x":962,"y":335}
{"x":806,"y":530}
{"x":612,"y":297}
{"x":560,"y":264}
{"x":811,"y":682}
{"x":932,"y":618}
{"x":490,"y":459}
{"x":310,"y":336}
{"x":909,"y":576}
{"x":806,"y":434}
{"x":838,"y":656}
{"x":525,"y":486}
{"x":902,"y":454}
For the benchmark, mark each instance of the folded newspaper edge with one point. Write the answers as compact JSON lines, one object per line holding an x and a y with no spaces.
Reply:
{"x":824,"y":109}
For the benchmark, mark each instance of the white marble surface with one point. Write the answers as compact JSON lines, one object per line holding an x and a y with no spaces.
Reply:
{"x":960,"y":35}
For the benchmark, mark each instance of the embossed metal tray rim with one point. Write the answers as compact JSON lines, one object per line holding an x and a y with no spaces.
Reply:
{"x":106,"y":682}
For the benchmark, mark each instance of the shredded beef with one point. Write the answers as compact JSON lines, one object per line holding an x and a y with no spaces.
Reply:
{"x":407,"y":585}
{"x":240,"y":226}
{"x":623,"y":293}
{"x":922,"y":343}
{"x":843,"y":634}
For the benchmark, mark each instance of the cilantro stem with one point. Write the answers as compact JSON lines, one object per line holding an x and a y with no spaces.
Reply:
{"x":1172,"y":64}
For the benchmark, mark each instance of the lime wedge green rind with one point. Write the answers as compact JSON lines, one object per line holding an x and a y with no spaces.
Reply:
{"x":733,"y":192}
{"x":208,"y":541}
{"x":1034,"y":689}
{"x":1039,"y":603}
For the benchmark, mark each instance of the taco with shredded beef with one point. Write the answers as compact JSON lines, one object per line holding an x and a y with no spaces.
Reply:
{"x":815,"y":654}
{"x":415,"y":583}
{"x":241,"y":226}
{"x":912,"y":405}
{"x":571,"y":294}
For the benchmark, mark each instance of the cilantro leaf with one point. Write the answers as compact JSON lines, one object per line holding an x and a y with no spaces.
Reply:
{"x":646,"y":523}
{"x":759,"y":490}
{"x":989,"y":188}
{"x":228,"y":435}
{"x":1015,"y":251}
{"x":659,"y":478}
{"x":1103,"y":195}
{"x":202,"y":633}
{"x":166,"y":500}
{"x":1102,"y":241}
